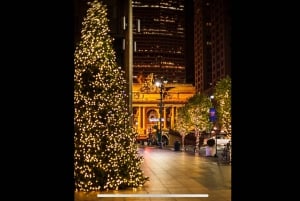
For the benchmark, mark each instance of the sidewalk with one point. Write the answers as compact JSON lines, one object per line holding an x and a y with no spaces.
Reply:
{"x":173,"y":174}
{"x":202,"y":153}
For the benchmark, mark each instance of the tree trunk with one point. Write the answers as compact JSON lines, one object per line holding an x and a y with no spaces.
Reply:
{"x":197,"y":141}
{"x":182,"y":141}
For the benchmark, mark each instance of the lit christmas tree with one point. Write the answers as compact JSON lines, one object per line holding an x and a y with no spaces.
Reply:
{"x":105,"y":155}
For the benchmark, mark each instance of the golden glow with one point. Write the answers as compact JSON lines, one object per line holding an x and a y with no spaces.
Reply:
{"x":105,"y":153}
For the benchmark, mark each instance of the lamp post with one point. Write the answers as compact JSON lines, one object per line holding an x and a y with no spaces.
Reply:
{"x":160,"y":83}
{"x":212,"y":118}
{"x":216,"y":133}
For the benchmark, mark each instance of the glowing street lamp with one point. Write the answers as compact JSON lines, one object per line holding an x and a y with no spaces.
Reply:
{"x":160,"y":83}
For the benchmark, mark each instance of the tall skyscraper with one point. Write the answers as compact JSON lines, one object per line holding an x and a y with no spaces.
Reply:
{"x":212,"y":42}
{"x":163,"y":31}
{"x":159,"y":36}
{"x":159,"y":39}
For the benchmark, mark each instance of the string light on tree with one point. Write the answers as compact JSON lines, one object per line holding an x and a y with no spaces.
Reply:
{"x":105,"y":151}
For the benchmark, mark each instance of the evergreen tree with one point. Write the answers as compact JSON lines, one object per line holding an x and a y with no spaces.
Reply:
{"x":105,"y":152}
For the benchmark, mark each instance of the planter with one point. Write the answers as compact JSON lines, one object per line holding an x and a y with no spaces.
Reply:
{"x":210,"y":150}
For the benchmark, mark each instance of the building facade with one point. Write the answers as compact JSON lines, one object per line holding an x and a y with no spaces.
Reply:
{"x":146,"y":108}
{"x":159,"y":39}
{"x":212,"y":42}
